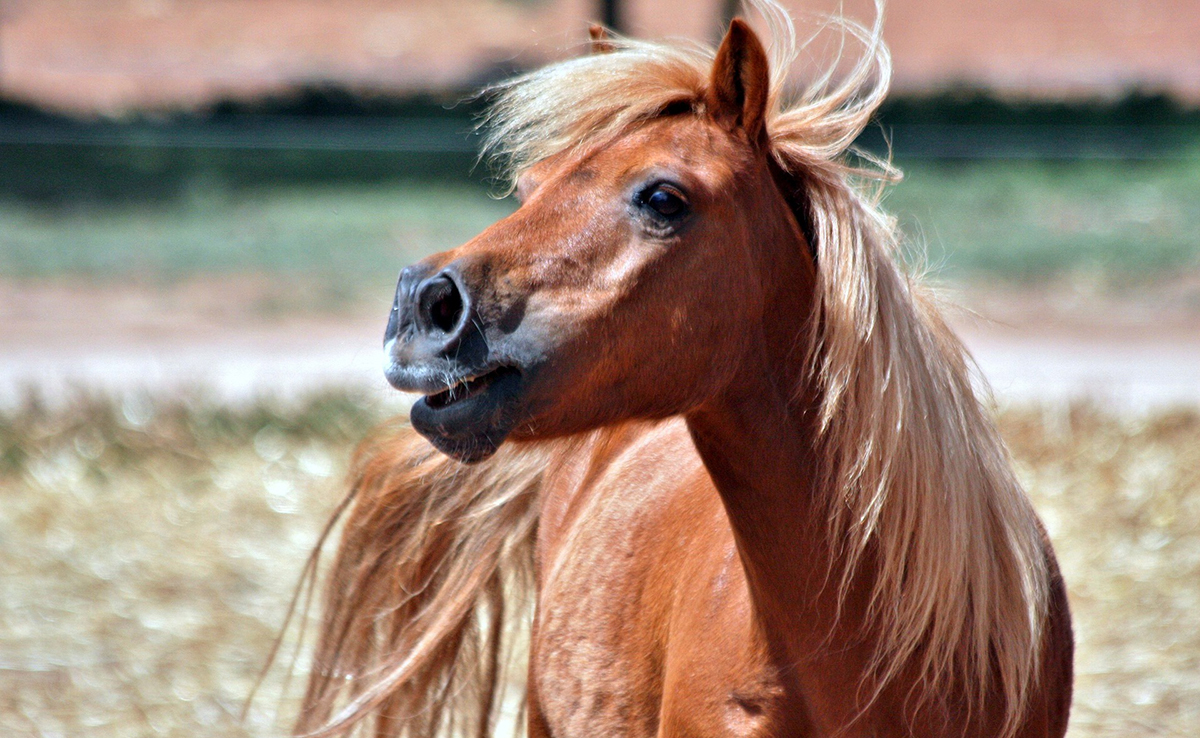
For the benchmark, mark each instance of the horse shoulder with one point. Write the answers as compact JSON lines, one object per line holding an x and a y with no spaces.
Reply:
{"x":644,"y":625}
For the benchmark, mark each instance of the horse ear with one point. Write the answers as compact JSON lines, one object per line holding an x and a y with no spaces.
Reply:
{"x":740,"y":81}
{"x":601,"y":39}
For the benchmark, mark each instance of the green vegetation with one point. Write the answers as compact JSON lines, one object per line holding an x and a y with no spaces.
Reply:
{"x":324,"y":134}
{"x":1013,"y":220}
{"x":1117,"y":220}
{"x":343,"y":239}
{"x":341,"y":187}
{"x":976,"y":106}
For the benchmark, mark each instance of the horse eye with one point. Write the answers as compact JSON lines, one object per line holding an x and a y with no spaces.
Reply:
{"x":664,"y":200}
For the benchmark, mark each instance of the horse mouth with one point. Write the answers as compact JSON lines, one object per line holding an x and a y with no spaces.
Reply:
{"x":471,"y":418}
{"x":467,"y":388}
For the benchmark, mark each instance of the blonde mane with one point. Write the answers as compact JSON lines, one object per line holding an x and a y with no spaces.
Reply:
{"x":923,"y":480}
{"x":435,"y":555}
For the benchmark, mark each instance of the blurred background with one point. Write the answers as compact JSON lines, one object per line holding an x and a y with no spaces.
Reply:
{"x":204,"y":205}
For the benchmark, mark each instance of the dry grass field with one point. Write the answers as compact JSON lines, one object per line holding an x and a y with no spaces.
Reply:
{"x":148,"y":552}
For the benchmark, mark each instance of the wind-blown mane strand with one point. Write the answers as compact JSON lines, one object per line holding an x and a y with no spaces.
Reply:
{"x":431,"y":572}
{"x":921,"y":477}
{"x":921,"y":472}
{"x":588,"y":99}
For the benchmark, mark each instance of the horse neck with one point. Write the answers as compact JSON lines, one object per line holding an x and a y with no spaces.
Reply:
{"x":759,"y":439}
{"x":761,"y":449}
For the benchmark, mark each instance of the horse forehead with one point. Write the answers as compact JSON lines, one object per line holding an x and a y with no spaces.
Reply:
{"x":686,"y":142}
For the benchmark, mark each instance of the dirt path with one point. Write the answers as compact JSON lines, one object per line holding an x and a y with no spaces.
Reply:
{"x":1155,"y":370}
{"x":211,"y":337}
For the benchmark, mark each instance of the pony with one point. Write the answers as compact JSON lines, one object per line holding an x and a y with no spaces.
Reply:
{"x":693,"y":453}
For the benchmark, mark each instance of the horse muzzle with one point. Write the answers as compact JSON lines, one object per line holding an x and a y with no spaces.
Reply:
{"x":436,"y":344}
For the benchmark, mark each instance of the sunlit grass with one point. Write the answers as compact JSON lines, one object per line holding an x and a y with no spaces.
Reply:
{"x":1121,"y":500}
{"x":148,"y":551}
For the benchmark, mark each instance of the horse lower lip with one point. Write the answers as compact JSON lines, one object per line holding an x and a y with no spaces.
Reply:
{"x":461,"y":390}
{"x":476,"y":422}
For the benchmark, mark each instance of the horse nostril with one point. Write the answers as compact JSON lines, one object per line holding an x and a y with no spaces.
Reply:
{"x":441,"y":303}
{"x":447,"y":311}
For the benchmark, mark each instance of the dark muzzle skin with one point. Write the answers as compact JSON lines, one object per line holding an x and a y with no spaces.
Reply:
{"x":436,"y":344}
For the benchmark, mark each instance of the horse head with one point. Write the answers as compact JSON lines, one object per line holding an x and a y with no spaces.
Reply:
{"x":627,"y":284}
